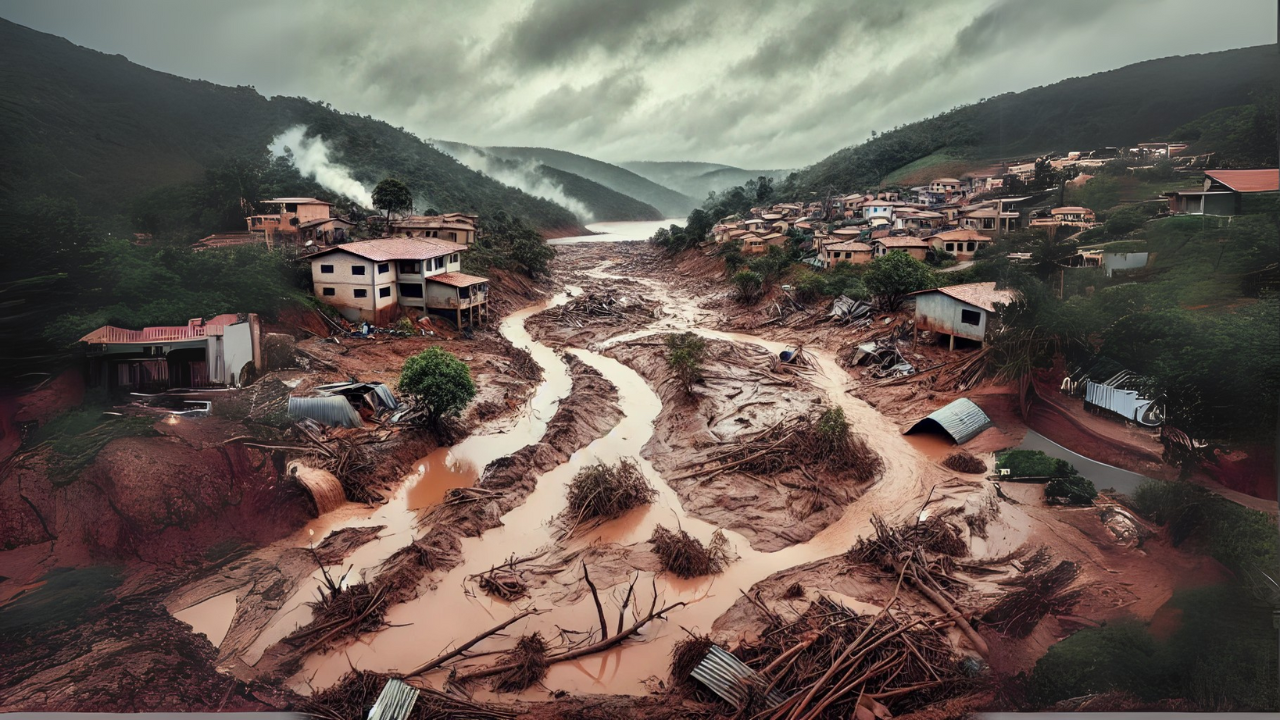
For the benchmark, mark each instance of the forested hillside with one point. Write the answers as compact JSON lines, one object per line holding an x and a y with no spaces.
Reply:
{"x":1139,"y":102}
{"x":668,"y":201}
{"x":102,"y":131}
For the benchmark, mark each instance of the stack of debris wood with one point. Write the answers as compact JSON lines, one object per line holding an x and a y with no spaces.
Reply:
{"x":604,"y":304}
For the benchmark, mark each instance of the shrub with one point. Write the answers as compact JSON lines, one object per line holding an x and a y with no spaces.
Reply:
{"x":686,"y":557}
{"x":439,"y":382}
{"x":1074,"y":490}
{"x":750,"y":285}
{"x":685,"y":353}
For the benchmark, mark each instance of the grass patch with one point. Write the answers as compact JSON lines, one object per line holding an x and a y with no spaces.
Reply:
{"x":76,"y":437}
{"x":66,"y":596}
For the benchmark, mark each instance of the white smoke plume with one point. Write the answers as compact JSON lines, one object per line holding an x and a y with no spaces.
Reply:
{"x":520,"y":175}
{"x":311,"y":157}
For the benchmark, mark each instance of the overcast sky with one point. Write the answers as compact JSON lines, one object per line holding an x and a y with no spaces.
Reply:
{"x":753,"y":83}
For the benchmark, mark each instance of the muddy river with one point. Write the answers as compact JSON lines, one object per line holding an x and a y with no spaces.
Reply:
{"x":455,"y":610}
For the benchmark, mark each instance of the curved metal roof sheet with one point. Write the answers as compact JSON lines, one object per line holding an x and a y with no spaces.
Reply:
{"x":332,"y":410}
{"x":961,"y":419}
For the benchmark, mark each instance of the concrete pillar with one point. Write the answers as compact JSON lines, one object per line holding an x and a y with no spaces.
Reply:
{"x":953,"y":342}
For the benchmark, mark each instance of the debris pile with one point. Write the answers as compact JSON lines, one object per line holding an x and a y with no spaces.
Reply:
{"x":357,"y":691}
{"x":798,"y":443}
{"x":686,"y":557}
{"x":831,"y":662}
{"x":607,"y":304}
{"x":527,"y":664}
{"x":603,"y":492}
{"x":1042,"y":593}
{"x":963,"y":462}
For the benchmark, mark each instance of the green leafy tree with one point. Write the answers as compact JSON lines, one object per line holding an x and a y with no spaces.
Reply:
{"x":685,"y":355}
{"x":439,"y":382}
{"x":507,"y":242}
{"x":890,"y":278}
{"x":391,"y":195}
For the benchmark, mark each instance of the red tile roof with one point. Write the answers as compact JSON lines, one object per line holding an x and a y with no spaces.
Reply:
{"x":959,"y":235}
{"x":193,"y":330}
{"x":850,"y":245}
{"x":457,"y":279}
{"x":1267,"y":180}
{"x":983,"y":294}
{"x":903,"y":242}
{"x":397,"y":248}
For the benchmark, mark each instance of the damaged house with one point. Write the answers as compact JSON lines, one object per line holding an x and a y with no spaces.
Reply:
{"x":960,"y":311}
{"x":221,"y":351}
{"x":372,"y":279}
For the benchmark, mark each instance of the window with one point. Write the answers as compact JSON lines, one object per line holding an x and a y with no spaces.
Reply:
{"x":951,"y":247}
{"x":326,"y":269}
{"x":970,"y":317}
{"x":360,"y":292}
{"x":327,"y":292}
{"x":439,"y":263}
{"x":384,"y":292}
{"x":384,"y":267}
{"x":453,"y":258}
{"x":970,"y":247}
{"x":409,"y":267}
{"x":357,"y":269}
{"x":410,"y":290}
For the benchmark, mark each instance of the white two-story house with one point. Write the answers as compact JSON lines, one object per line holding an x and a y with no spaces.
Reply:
{"x":367,"y":280}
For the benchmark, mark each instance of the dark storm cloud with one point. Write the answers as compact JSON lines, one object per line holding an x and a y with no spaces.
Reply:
{"x":818,"y":32}
{"x":754,"y":83}
{"x":553,"y":32}
{"x":591,"y":109}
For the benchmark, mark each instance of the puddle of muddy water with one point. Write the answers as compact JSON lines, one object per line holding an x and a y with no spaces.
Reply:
{"x":211,"y":618}
{"x":934,"y":446}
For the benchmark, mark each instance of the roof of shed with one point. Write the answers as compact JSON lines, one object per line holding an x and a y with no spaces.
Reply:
{"x":961,"y":419}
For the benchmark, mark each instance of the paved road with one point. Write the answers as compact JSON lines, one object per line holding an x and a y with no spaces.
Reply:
{"x":1103,"y":475}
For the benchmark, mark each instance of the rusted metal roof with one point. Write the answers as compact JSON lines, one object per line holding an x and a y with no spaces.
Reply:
{"x":457,"y":279}
{"x":1267,"y":180}
{"x":961,"y":419}
{"x":397,"y":248}
{"x":194,"y":330}
{"x":728,"y":677}
{"x":983,"y":295}
{"x":395,"y":702}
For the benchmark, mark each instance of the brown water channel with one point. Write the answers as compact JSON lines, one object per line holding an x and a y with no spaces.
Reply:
{"x":455,"y":611}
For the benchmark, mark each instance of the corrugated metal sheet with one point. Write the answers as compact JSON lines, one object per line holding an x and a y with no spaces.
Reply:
{"x":728,"y":677}
{"x":395,"y":702}
{"x":961,"y":419}
{"x":1129,"y":404}
{"x":330,"y":410}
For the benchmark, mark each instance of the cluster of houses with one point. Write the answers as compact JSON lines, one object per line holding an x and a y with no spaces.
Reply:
{"x":946,"y":216}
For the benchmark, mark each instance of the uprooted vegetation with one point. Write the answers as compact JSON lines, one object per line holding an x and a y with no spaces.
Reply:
{"x":601,"y":492}
{"x":963,"y":462}
{"x":1039,"y":594}
{"x":685,"y":556}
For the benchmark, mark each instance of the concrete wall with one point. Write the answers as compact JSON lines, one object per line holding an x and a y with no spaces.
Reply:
{"x":344,"y":283}
{"x":942,"y":314}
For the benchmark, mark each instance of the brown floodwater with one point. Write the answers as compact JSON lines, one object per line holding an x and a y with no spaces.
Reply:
{"x":211,"y":618}
{"x":423,"y":628}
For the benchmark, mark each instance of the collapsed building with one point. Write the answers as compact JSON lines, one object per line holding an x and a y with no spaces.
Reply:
{"x":224,"y":350}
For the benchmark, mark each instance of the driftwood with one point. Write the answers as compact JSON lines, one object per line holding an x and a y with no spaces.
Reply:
{"x":446,"y":657}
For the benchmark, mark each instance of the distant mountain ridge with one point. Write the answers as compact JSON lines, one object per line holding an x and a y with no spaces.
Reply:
{"x":103,"y":131}
{"x":1135,"y":103}
{"x":666,"y":200}
{"x":696,"y":179}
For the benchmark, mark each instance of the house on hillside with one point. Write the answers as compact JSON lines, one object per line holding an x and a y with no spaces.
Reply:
{"x":989,"y":220}
{"x":372,"y":279}
{"x":1228,"y":192}
{"x":287,"y":222}
{"x":455,"y":227}
{"x":847,"y":251}
{"x":221,"y":351}
{"x":962,"y":243}
{"x":916,"y":247}
{"x":959,"y":311}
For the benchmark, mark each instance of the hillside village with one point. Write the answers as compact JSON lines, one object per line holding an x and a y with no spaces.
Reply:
{"x":971,"y":433}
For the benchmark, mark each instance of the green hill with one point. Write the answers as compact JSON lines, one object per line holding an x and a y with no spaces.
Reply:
{"x":668,"y":201}
{"x":696,"y":179}
{"x":103,"y":131}
{"x":1139,"y":102}
{"x":592,"y":201}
